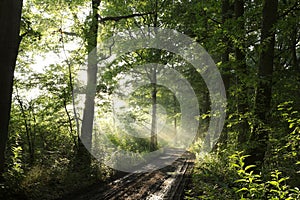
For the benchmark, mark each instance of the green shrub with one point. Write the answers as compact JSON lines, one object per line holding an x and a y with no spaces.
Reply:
{"x":229,"y":178}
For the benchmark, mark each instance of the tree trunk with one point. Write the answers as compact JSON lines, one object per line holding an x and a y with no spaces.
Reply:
{"x":28,"y":128}
{"x":153,"y":139}
{"x":153,"y":142}
{"x":294,"y":41}
{"x":10,"y":17}
{"x":89,"y":106}
{"x":241,"y":70}
{"x":175,"y":117}
{"x":265,"y":71}
{"x":226,"y":14}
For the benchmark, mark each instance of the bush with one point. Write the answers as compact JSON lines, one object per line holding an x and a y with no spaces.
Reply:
{"x":230,"y":178}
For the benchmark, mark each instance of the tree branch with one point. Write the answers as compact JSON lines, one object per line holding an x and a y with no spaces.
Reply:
{"x":291,"y":9}
{"x":118,"y":18}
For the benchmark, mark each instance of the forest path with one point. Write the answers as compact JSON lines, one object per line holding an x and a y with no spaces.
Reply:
{"x":165,"y":183}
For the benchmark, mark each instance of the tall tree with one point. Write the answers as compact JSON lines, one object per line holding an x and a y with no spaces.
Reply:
{"x":153,"y":144}
{"x":153,"y":138}
{"x":241,"y":69}
{"x":265,"y":71}
{"x":226,"y":11}
{"x":89,"y":105}
{"x":10,"y":18}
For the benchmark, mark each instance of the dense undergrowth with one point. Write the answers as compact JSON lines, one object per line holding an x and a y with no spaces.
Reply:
{"x":215,"y":177}
{"x":224,"y":174}
{"x":51,"y":181}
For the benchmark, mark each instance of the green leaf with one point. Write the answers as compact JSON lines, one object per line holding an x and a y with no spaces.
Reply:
{"x":241,"y":180}
{"x":274,"y":183}
{"x":242,"y":189}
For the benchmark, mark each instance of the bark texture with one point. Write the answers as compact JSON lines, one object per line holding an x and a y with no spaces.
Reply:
{"x":264,"y":89}
{"x":10,"y":17}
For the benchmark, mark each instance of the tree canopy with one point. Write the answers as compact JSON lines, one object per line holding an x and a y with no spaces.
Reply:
{"x":47,"y":136}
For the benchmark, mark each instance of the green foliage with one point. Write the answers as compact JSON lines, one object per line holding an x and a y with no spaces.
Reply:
{"x":254,"y":187}
{"x":232,"y":179}
{"x":129,"y":143}
{"x":15,"y":174}
{"x":285,"y":142}
{"x":250,"y":184}
{"x":16,"y":170}
{"x":43,"y":135}
{"x":212,"y":179}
